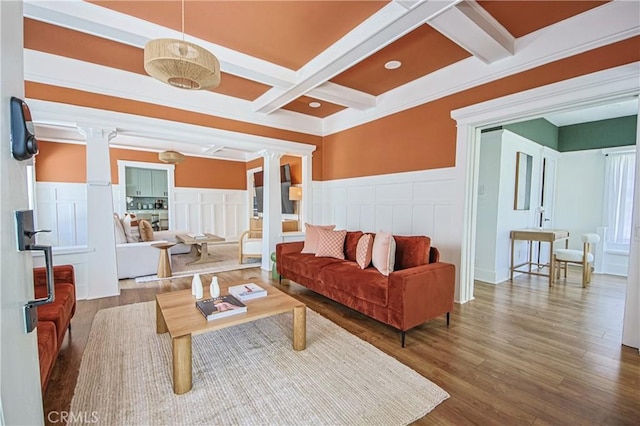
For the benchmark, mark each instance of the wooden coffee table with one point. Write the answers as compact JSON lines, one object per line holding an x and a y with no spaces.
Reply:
{"x":203,"y":243}
{"x":176,"y":313}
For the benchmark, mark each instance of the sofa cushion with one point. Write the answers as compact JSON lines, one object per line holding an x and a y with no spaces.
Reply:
{"x":312,"y":237}
{"x":146,"y":230}
{"x":121,"y":238}
{"x":411,"y":251}
{"x":47,"y":349}
{"x":58,"y":312}
{"x":364,"y":284}
{"x":351,"y":244}
{"x":305,"y":264}
{"x":384,"y":252}
{"x":364,"y":250}
{"x":130,"y":225}
{"x":331,"y":243}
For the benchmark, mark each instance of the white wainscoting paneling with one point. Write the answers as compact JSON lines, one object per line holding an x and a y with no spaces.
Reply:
{"x":222,"y":212}
{"x":413,"y":203}
{"x":62,"y":208}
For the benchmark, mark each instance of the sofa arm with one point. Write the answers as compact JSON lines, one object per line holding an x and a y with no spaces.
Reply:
{"x":61,"y":274}
{"x":421,"y":293}
{"x":292,"y":247}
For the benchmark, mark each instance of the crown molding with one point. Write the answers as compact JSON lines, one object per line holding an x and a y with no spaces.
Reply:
{"x":161,"y":131}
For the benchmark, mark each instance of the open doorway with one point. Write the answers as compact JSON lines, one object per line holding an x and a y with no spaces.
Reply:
{"x":595,"y":89}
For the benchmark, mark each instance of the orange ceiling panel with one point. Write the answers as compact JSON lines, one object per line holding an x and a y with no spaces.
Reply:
{"x":421,"y":52}
{"x":301,"y":105}
{"x":523,"y":17}
{"x":60,"y":41}
{"x":287,"y":33}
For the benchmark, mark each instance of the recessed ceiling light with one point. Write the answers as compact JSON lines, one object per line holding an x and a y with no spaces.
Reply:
{"x":392,"y":65}
{"x":314,"y":104}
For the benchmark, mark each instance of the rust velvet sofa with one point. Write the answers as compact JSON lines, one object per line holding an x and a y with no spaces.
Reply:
{"x":419,"y":289}
{"x":54,"y":318}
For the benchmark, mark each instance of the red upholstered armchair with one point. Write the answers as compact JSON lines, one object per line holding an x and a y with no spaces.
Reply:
{"x":54,"y":318}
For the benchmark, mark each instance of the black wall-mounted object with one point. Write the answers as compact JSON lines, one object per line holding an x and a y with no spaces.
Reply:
{"x":24,"y":144}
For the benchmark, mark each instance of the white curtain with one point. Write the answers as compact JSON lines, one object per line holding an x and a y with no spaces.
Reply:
{"x":618,"y":206}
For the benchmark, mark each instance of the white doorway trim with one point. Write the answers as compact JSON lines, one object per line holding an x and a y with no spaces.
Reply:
{"x":593,"y":89}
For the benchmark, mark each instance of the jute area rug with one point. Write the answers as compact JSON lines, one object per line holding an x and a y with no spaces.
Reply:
{"x":225,"y":259}
{"x":247,"y":374}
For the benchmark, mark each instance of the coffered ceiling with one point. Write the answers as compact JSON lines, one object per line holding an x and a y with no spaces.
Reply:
{"x":295,"y":65}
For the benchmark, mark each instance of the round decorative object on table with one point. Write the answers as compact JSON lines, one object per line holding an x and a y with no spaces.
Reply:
{"x":164,"y":263}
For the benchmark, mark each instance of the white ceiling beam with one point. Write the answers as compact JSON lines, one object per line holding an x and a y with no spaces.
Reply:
{"x":105,"y":23}
{"x":345,"y":96}
{"x":475,"y":30}
{"x":387,"y":25}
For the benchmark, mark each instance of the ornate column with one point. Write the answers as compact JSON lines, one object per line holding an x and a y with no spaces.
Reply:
{"x":272,"y":206}
{"x":102,"y":276}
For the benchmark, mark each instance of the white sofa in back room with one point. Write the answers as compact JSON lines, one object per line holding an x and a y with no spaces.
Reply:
{"x":136,"y":258}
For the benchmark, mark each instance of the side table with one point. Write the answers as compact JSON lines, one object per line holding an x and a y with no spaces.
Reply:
{"x":164,"y":263}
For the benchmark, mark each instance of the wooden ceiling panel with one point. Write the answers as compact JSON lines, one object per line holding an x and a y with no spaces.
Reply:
{"x":523,"y":17}
{"x":422,"y":51}
{"x":60,"y":41}
{"x":301,"y":105}
{"x":287,"y":33}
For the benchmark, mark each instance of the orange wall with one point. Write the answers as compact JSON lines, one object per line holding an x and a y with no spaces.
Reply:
{"x":193,"y":172}
{"x":424,"y":137}
{"x":293,"y":161}
{"x":63,"y":162}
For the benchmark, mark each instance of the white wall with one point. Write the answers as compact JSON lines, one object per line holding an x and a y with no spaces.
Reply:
{"x":414,"y":203}
{"x":580,"y":202}
{"x":496,"y":216}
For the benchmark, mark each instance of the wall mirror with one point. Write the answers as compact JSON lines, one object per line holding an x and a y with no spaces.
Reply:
{"x":524,"y":165}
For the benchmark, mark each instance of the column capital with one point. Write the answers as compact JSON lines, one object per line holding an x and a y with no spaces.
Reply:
{"x":90,"y":132}
{"x":269,"y":154}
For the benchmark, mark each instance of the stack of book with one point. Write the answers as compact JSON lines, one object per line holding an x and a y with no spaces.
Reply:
{"x":220,"y":307}
{"x":247,"y":291}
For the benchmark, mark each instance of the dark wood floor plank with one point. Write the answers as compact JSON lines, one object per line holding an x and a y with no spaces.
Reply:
{"x":520,"y":353}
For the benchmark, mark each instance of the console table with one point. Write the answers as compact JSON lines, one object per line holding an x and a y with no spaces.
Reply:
{"x":550,"y":236}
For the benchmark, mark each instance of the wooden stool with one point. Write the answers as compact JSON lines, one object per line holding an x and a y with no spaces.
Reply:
{"x":164,"y":263}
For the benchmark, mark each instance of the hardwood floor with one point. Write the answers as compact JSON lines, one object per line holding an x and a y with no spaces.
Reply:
{"x":520,"y":353}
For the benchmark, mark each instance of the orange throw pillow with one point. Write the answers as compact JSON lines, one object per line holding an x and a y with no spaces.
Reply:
{"x":146,"y":230}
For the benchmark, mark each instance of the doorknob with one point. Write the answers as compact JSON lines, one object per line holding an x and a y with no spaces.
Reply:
{"x":26,"y":242}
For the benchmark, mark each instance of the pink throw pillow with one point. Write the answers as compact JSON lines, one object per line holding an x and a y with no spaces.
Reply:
{"x":331,"y":243}
{"x":364,"y":251}
{"x":312,"y":237}
{"x":384,"y":253}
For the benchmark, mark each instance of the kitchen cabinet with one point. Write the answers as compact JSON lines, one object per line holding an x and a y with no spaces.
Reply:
{"x":146,"y":182}
{"x":159,"y":183}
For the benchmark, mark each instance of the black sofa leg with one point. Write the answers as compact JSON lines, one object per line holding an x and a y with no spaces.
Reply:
{"x":280,"y":278}
{"x":448,"y":315}
{"x":402,"y":336}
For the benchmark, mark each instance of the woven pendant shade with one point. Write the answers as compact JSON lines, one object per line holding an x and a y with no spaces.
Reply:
{"x":171,"y":157}
{"x":181,"y":64}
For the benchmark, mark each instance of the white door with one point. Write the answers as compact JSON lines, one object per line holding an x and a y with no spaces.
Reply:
{"x":20,"y":396}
